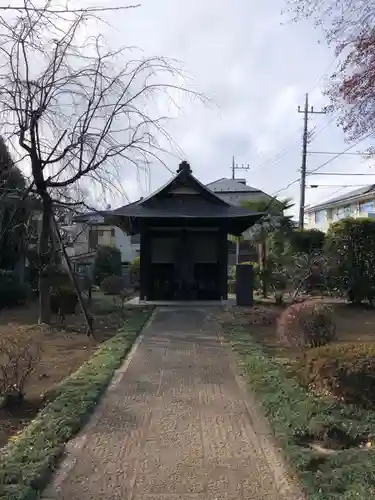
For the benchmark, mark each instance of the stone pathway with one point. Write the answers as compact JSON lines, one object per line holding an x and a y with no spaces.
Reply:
{"x":173,"y":426}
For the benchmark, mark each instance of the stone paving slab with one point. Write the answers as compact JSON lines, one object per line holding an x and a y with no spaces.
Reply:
{"x":174,"y":426}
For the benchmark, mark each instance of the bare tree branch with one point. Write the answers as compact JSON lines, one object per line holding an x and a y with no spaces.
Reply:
{"x":80,"y":112}
{"x":21,"y":8}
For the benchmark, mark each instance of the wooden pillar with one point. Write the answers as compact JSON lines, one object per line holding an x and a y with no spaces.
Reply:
{"x":223,"y":263}
{"x":145,"y":265}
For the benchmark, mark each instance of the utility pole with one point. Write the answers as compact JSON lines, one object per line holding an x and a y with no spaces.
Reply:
{"x":235,"y":166}
{"x":306,"y":112}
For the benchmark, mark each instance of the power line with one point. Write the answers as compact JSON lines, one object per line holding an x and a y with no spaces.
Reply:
{"x":340,"y":154}
{"x":359,"y":153}
{"x":323,"y":173}
{"x":334,"y":158}
{"x":321,"y":200}
{"x":286,"y":187}
{"x":324,"y":74}
{"x":326,"y":125}
{"x":314,"y":186}
{"x":337,"y":173}
{"x":276,"y":158}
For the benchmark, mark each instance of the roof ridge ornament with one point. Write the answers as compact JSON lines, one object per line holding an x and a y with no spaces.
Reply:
{"x":184,"y":166}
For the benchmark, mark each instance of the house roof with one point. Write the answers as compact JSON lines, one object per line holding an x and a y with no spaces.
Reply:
{"x":163,"y":205}
{"x":89,"y":217}
{"x":351,"y":195}
{"x":225,"y":185}
{"x":184,"y":177}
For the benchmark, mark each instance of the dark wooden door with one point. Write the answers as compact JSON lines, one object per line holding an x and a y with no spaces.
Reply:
{"x":162,"y":282}
{"x":207,"y":278}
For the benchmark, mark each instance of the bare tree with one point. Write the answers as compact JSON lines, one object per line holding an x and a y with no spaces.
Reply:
{"x":342,"y":21}
{"x":349,"y":26}
{"x":81,"y":113}
{"x":17,"y":362}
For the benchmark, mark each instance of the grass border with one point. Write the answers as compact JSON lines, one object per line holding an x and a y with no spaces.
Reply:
{"x":28,"y":461}
{"x":347,"y":475}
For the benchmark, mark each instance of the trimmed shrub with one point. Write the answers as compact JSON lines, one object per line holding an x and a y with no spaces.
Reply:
{"x":306,"y":240}
{"x":107,"y":262}
{"x":351,"y":251}
{"x":112,"y":285}
{"x":347,"y":370}
{"x":307,"y":324}
{"x":63,"y":301}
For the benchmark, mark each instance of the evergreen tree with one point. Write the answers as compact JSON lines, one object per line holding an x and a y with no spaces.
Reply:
{"x":12,"y":211}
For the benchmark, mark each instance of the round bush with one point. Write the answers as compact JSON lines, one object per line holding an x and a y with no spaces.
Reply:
{"x":64,"y":299}
{"x":112,"y":285}
{"x":107,"y":262}
{"x":307,"y":324}
{"x":347,"y":370}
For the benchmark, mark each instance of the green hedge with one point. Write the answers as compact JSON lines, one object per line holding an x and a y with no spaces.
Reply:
{"x":27,"y":462}
{"x":292,"y":412}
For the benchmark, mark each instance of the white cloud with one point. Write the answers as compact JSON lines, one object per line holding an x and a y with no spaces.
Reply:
{"x":255,"y":70}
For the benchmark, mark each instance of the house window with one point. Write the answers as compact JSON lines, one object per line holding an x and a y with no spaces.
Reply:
{"x":347,"y":211}
{"x":340,"y":213}
{"x":135,"y":239}
{"x":366,"y":207}
{"x":100,"y":233}
{"x":319,"y":217}
{"x":113,"y":232}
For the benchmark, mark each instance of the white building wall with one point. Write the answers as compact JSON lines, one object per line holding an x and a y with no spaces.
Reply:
{"x":123,"y":242}
{"x":322,"y":219}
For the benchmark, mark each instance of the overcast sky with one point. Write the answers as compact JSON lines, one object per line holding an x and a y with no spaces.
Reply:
{"x":256,"y":70}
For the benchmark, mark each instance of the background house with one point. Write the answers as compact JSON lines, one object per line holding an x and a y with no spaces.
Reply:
{"x":86,"y":232}
{"x":357,"y":203}
{"x":82,"y":234}
{"x":236,"y":191}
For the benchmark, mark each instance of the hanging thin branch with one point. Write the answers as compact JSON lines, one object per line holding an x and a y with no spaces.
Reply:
{"x":21,"y":8}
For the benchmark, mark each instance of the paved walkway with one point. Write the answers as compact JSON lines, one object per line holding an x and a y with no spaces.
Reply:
{"x":173,"y":426}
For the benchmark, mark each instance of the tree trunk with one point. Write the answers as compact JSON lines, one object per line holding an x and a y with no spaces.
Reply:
{"x":44,"y":256}
{"x":263,"y":247}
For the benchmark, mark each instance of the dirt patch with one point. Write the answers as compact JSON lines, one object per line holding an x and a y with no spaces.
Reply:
{"x":62,"y":353}
{"x":354,"y":324}
{"x":330,"y":439}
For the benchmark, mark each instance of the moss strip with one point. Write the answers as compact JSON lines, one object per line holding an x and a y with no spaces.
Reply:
{"x":346,"y":475}
{"x":27,"y":462}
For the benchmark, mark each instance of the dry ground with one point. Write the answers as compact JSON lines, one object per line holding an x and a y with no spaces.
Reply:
{"x":62,"y":352}
{"x":354,"y":324}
